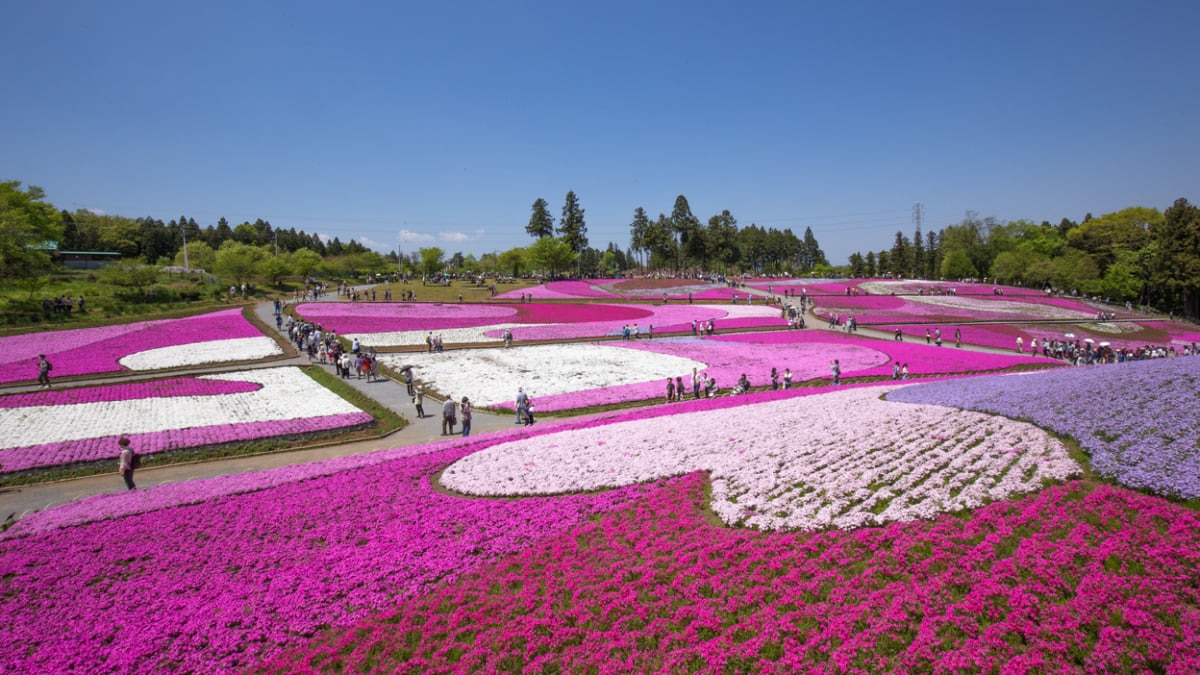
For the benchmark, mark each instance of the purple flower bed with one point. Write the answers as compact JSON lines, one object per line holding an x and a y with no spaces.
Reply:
{"x":1137,"y":420}
{"x":215,"y":586}
{"x":178,"y":386}
{"x":88,"y":351}
{"x":100,"y":448}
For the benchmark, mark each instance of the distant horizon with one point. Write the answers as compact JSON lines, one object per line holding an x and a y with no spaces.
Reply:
{"x":405,"y":126}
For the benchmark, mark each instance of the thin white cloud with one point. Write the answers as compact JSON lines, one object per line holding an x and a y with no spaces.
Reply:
{"x":408,"y":236}
{"x":461,"y":237}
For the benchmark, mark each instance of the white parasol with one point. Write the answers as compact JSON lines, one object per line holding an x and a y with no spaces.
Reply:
{"x":1089,"y":340}
{"x":1104,"y":344}
{"x":1070,"y":336}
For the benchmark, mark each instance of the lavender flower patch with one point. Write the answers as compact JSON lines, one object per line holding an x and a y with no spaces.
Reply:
{"x":1137,"y":420}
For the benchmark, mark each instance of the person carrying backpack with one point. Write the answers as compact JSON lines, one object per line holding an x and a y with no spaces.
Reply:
{"x":128,"y":462}
{"x":44,"y":368}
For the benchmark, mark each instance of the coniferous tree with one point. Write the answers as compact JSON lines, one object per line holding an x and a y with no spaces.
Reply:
{"x":541,"y":223}
{"x":571,"y":227}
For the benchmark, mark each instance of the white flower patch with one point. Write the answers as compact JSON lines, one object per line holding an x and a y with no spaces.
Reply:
{"x":199,"y":353}
{"x":1026,"y":309}
{"x":840,"y":460}
{"x":286,"y":394}
{"x":491,"y":376}
{"x":410,"y":338}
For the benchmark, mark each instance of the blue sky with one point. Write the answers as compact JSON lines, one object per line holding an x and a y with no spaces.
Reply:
{"x":406,"y":125}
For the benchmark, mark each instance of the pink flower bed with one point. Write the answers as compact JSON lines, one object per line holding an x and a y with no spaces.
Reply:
{"x":807,"y":353}
{"x":88,"y":351}
{"x":353,"y":317}
{"x":178,"y":386}
{"x":215,"y":586}
{"x":100,"y":448}
{"x":1072,"y":579}
{"x":584,"y":321}
{"x":873,"y":309}
{"x":356,"y":318}
{"x":1004,"y":336}
{"x":558,"y":290}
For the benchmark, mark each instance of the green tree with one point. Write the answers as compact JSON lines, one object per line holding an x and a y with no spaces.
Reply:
{"x":133,"y":275}
{"x":660,"y":242}
{"x":1105,"y":237}
{"x":918,"y":255}
{"x":901,"y":258}
{"x":1122,"y":280}
{"x":858,"y":267}
{"x":639,"y":231}
{"x":513,"y":262}
{"x":811,"y":254}
{"x":274,"y":268}
{"x":571,"y":227}
{"x":200,"y":256}
{"x":686,"y":228}
{"x":1008,"y":267}
{"x":550,"y":254}
{"x":27,"y":225}
{"x":237,"y":261}
{"x":1178,"y":264}
{"x":721,"y":237}
{"x":541,"y":223}
{"x":304,"y":261}
{"x":431,"y":260}
{"x":957,"y":265}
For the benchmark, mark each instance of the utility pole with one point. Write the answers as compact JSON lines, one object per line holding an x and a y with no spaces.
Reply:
{"x":183,"y":230}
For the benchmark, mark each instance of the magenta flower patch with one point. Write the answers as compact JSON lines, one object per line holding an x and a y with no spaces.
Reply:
{"x":87,"y":351}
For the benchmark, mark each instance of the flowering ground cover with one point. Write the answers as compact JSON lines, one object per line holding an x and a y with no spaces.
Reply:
{"x":213,"y":586}
{"x":218,"y":337}
{"x":1136,"y":420}
{"x":571,"y":376}
{"x":61,"y":428}
{"x":559,"y":290}
{"x":849,"y":460}
{"x":873,"y":309}
{"x":408,"y":325}
{"x":917,"y":286}
{"x":1071,"y":579}
{"x":629,"y":289}
{"x":1069,"y":575}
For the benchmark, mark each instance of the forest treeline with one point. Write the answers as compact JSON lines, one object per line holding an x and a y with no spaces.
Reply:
{"x":1139,"y":254}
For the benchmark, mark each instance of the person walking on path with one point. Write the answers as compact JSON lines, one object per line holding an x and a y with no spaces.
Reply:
{"x":419,"y":401}
{"x":408,"y":380}
{"x":836,"y":369}
{"x":522,"y":398}
{"x":127,"y":462}
{"x":465,"y":408}
{"x":449,"y":416}
{"x":44,"y":368}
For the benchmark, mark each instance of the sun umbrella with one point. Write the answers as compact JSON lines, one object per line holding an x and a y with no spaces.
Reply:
{"x":1070,"y":336}
{"x":1089,"y":340}
{"x":1103,"y":344}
